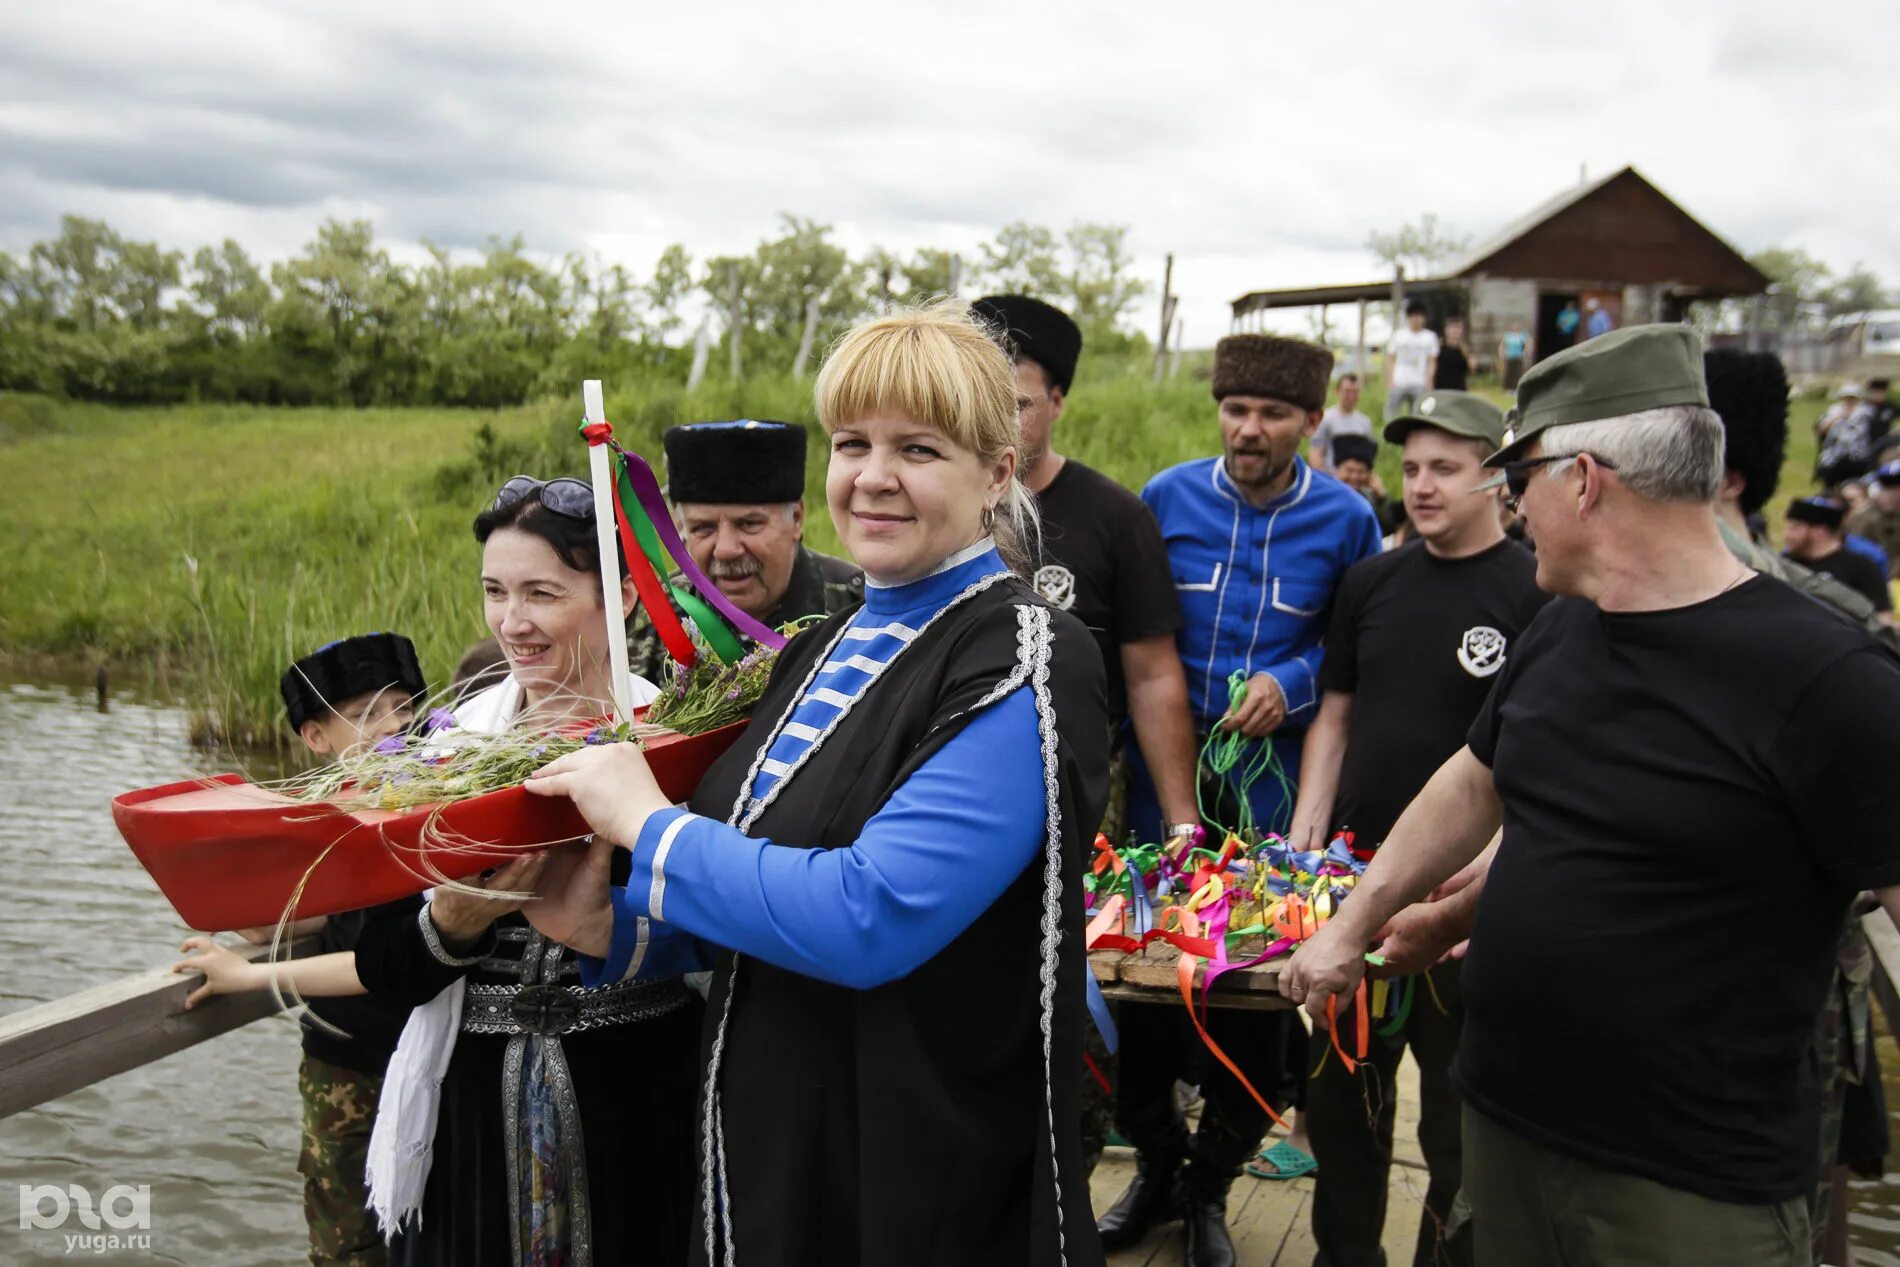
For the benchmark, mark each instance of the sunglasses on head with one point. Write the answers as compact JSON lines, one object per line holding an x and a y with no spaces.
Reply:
{"x":564,"y":496}
{"x":1517,"y":475}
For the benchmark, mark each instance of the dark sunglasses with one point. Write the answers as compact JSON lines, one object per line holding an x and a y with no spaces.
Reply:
{"x":564,"y":496}
{"x":1517,"y":475}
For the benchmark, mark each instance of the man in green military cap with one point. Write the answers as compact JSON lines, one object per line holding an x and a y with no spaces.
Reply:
{"x":1685,"y":822}
{"x":1417,"y":636}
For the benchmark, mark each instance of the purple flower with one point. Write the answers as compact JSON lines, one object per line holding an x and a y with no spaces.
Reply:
{"x":439,"y":719}
{"x":538,"y":750}
{"x":392,"y":744}
{"x":733,"y":693}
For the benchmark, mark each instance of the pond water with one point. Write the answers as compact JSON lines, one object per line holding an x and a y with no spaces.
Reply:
{"x":213,"y":1130}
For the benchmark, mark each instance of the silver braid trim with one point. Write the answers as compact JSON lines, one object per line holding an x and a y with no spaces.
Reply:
{"x":1035,"y":640}
{"x":713,"y":1134}
{"x":715,"y":1191}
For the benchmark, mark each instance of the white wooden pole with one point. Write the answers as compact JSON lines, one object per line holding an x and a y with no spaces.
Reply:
{"x":599,"y":461}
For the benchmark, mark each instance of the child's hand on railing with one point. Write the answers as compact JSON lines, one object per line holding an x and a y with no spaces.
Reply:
{"x":225,"y":971}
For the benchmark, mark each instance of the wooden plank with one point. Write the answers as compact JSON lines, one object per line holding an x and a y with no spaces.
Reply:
{"x":59,"y":1047}
{"x":1146,"y":978}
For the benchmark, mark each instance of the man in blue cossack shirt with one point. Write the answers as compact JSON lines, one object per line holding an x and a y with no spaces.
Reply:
{"x":1257,"y":541}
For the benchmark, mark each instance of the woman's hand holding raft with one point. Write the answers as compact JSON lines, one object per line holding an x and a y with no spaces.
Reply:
{"x":610,"y":784}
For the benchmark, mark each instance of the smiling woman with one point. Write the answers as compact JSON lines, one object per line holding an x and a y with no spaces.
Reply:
{"x":891,"y":854}
{"x":923,"y":447}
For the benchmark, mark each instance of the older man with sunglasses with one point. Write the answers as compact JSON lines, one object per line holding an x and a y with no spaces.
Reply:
{"x":737,"y":490}
{"x":1687,"y":814}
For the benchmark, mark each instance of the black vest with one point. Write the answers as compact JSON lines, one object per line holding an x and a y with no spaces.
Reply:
{"x":935,"y":1119}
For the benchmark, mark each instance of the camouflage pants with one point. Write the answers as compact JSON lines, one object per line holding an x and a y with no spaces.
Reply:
{"x":339,"y":1107}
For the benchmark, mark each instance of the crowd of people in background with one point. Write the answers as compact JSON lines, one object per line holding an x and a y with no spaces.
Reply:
{"x":1602,"y":729}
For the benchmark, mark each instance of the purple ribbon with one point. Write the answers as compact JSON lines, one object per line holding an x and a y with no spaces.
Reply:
{"x":647,"y":489}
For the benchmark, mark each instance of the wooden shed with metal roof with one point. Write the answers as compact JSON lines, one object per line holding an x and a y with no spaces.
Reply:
{"x":1618,"y":243}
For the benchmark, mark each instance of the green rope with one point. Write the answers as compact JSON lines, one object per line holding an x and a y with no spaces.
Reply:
{"x":1241,"y":762}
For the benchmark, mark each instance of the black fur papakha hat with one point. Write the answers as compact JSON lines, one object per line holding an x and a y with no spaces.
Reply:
{"x":1292,"y":370}
{"x":1750,"y":391}
{"x":1822,"y":511}
{"x":742,"y":462}
{"x":1035,"y":331}
{"x":1355,"y":449}
{"x":348,"y":668}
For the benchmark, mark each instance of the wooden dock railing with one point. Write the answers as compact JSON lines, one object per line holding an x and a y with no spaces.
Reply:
{"x":59,"y":1047}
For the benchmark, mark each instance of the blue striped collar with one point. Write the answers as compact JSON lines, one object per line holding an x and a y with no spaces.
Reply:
{"x":937,"y":586}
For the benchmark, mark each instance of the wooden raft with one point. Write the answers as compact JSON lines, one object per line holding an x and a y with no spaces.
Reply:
{"x":1150,"y":976}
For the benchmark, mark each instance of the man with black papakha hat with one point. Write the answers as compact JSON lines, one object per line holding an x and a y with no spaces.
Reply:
{"x":1257,"y":542}
{"x":1817,"y":539}
{"x":1103,"y":559}
{"x":737,"y":490}
{"x":341,"y":698}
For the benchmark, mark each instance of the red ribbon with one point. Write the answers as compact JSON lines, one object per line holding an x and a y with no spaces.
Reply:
{"x":646,"y":581}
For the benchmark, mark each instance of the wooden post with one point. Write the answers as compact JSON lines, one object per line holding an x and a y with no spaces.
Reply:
{"x":956,"y":274}
{"x":600,"y":461}
{"x":1174,"y":354}
{"x":702,"y":347}
{"x":1398,"y":313}
{"x":804,"y":340}
{"x":1359,"y":356}
{"x":732,"y":317}
{"x":1167,"y":315}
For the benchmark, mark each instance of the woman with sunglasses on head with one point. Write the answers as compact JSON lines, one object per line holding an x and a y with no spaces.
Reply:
{"x":526,"y":1119}
{"x":892,"y":853}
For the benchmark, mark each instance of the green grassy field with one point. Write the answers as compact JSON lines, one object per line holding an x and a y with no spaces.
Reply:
{"x":213,"y":544}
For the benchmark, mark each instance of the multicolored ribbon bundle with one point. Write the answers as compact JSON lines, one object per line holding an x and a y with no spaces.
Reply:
{"x":648,"y":537}
{"x":1213,"y":906}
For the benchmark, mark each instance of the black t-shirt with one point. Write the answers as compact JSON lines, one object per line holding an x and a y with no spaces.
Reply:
{"x":1454,"y":371}
{"x":1416,"y":641}
{"x":1858,"y":572}
{"x":1104,"y":562}
{"x":1691,"y":798}
{"x":370,"y":1025}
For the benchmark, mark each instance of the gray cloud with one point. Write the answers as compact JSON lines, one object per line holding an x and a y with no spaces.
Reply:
{"x":1259,"y":143}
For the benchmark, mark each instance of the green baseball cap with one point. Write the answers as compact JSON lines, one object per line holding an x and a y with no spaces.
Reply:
{"x":1459,"y":413}
{"x":1623,"y":372}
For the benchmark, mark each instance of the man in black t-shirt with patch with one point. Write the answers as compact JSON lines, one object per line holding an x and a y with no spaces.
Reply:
{"x":1687,"y":813}
{"x":1103,"y":559}
{"x":1416,"y":638}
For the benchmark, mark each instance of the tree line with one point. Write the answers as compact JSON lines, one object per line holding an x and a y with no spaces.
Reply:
{"x":93,"y":315}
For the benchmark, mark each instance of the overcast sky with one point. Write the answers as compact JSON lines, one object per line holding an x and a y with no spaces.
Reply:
{"x":1258,"y":141}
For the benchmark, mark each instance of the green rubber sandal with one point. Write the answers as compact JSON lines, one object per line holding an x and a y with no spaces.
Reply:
{"x":1288,"y":1163}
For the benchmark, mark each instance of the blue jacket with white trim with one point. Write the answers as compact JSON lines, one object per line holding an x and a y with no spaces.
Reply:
{"x":1256,"y":583}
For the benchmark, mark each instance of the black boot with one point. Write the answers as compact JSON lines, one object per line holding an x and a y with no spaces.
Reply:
{"x":1154,"y":1196}
{"x":1204,"y":1205}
